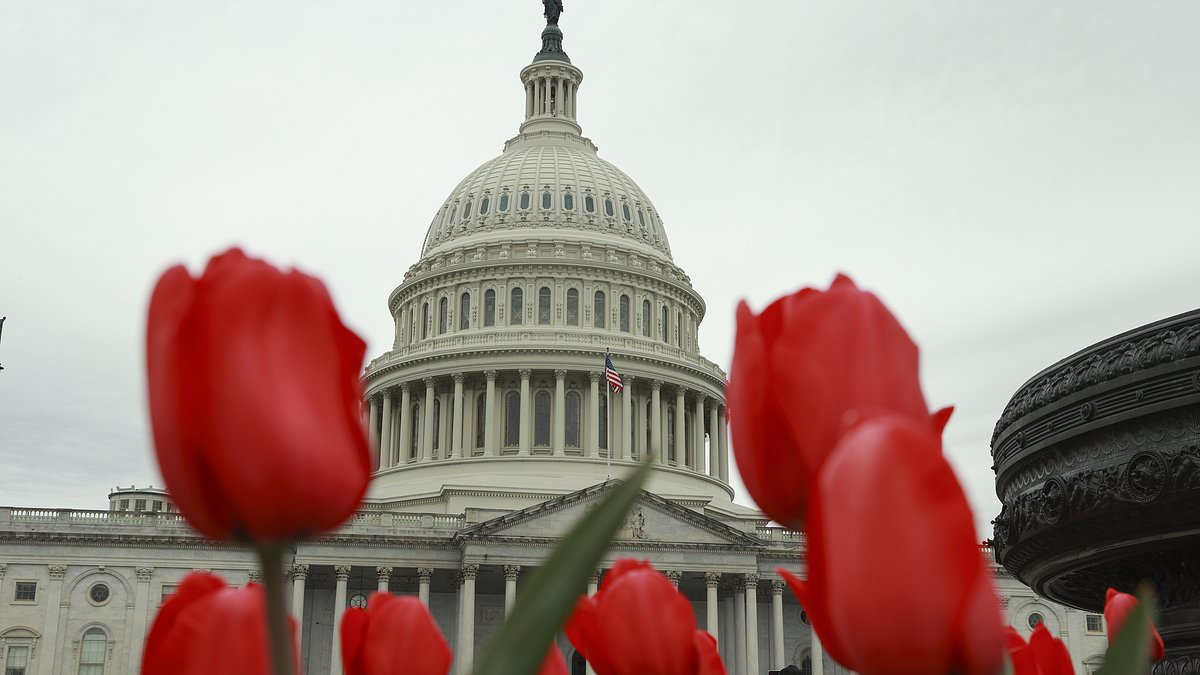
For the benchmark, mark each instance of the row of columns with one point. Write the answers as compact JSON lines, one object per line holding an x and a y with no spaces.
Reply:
{"x":550,"y":96}
{"x":744,"y":660}
{"x":392,"y":430}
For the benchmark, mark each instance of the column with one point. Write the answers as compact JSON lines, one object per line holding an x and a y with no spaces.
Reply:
{"x":751,"y":623}
{"x":626,"y":446}
{"x":656,"y":421}
{"x":466,"y":621}
{"x":560,"y":412}
{"x":373,"y":434}
{"x":817,"y":655}
{"x":674,"y":576}
{"x":424,"y":577}
{"x":714,"y":446}
{"x":141,"y":606}
{"x":779,"y":660}
{"x":697,"y":439}
{"x":680,"y":428}
{"x":643,"y":423}
{"x":711,"y":581}
{"x":406,"y":425}
{"x":457,"y":437}
{"x":593,"y":583}
{"x":490,"y":438}
{"x":723,"y":439}
{"x":426,"y":453}
{"x":526,"y":435}
{"x":342,"y":573}
{"x":511,"y":572}
{"x":49,"y":648}
{"x":593,"y":443}
{"x":298,"y":573}
{"x":739,"y":627}
{"x":528,"y":99}
{"x":383,"y":574}
{"x":385,"y":431}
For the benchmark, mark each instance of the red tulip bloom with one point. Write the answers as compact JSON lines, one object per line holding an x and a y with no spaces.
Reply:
{"x":1051,"y":655}
{"x":618,"y":634}
{"x":887,"y":510}
{"x":554,"y":663}
{"x":799,"y":368}
{"x":393,"y":636}
{"x":1117,"y":606}
{"x":207,"y":627}
{"x":254,"y":394}
{"x":1019,"y":653}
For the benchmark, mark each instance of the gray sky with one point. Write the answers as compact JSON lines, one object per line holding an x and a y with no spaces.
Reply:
{"x":1016,"y":179}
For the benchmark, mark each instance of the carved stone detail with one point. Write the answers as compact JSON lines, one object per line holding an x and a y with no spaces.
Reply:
{"x":383,"y":573}
{"x":751,"y":580}
{"x":57,"y":572}
{"x":342,"y":572}
{"x":777,"y":586}
{"x":298,"y":571}
{"x":712,"y":579}
{"x":424,"y":574}
{"x":469,"y":571}
{"x":511,"y":572}
{"x":255,"y":576}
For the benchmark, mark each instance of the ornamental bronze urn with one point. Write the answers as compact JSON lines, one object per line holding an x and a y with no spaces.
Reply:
{"x":1097,"y":462}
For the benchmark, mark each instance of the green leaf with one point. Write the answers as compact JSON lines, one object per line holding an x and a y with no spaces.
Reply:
{"x":545,"y":603}
{"x":1129,"y":653}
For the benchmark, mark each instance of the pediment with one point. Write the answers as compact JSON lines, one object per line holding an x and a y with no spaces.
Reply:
{"x":653,"y":520}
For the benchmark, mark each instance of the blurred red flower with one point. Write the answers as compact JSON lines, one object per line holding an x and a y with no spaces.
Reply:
{"x":1049,"y":653}
{"x":640,"y":624}
{"x":253,"y":384}
{"x":207,"y":627}
{"x":799,"y":368}
{"x":1117,"y":606}
{"x":393,"y":636}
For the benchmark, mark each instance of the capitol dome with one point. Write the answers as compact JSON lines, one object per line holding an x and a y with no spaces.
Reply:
{"x":538,"y":266}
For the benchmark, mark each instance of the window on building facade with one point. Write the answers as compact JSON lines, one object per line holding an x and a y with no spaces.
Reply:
{"x":568,"y":201}
{"x":437,"y":424}
{"x":1095,"y":623}
{"x":17,"y":660}
{"x":91,"y":652}
{"x":453,"y":213}
{"x":664,"y":326}
{"x":139,"y":505}
{"x":414,"y":443}
{"x":624,"y":312}
{"x":625,"y":212}
{"x":541,"y":419}
{"x":608,"y":208}
{"x":678,"y":329}
{"x":574,"y":408}
{"x":589,"y":204}
{"x":603,"y":418}
{"x":646,"y":320}
{"x":480,"y":421}
{"x":524,"y":200}
{"x":484,"y":206}
{"x":572,"y":307}
{"x":598,"y":310}
{"x":1034,"y":619}
{"x":489,"y":308}
{"x":467,"y":210}
{"x":504,"y":203}
{"x":547,"y":200}
{"x":512,"y":419}
{"x":641,"y":219}
{"x":649,"y":423}
{"x":516,"y":306}
{"x":98,"y":593}
{"x":464,"y":311}
{"x":443,"y":315}
{"x":124,"y":504}
{"x":544,"y":305}
{"x":167,"y":591}
{"x":671,"y":433}
{"x":424,"y":320}
{"x":26,"y":591}
{"x":156,"y":505}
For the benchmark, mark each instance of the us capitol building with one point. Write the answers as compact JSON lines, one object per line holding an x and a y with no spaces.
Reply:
{"x":493,"y":429}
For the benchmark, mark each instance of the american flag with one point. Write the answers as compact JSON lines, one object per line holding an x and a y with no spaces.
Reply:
{"x":611,"y":374}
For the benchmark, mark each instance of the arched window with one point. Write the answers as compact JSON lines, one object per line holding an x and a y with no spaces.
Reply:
{"x":646,"y":320}
{"x":624,"y":311}
{"x":437,"y":425}
{"x":516,"y":306}
{"x":603,"y":420}
{"x":92,"y":651}
{"x":467,"y":210}
{"x":480,"y":421}
{"x":568,"y":201}
{"x":544,"y":305}
{"x":547,"y":199}
{"x":414,"y":443}
{"x":641,"y":219}
{"x":504,"y":203}
{"x":464,"y":311}
{"x":598,"y":310}
{"x":453,"y":212}
{"x":16,"y":660}
{"x":624,"y":211}
{"x":524,"y":204}
{"x":412,"y":324}
{"x":574,"y":407}
{"x":443,"y":315}
{"x":678,"y":329}
{"x":664,"y":326}
{"x":424,"y":320}
{"x":512,"y":419}
{"x":572,"y":307}
{"x":589,"y":204}
{"x":487,"y":203}
{"x":608,"y":208}
{"x":541,"y":419}
{"x":671,"y":433}
{"x":489,"y":307}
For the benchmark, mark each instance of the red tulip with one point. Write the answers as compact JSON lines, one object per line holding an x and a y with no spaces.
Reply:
{"x":1019,"y":653}
{"x":207,"y":627}
{"x":554,"y":663}
{"x":799,"y":368}
{"x":393,"y":636}
{"x":1117,"y":606}
{"x":887,"y":510}
{"x":254,"y":394}
{"x":1051,"y":655}
{"x":617,"y":634}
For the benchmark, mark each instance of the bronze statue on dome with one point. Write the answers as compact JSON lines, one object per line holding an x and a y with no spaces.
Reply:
{"x":554,"y":8}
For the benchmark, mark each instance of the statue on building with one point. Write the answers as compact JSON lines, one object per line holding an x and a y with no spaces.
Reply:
{"x":554,"y":8}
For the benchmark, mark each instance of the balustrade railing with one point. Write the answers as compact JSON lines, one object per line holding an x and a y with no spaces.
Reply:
{"x":373,"y":519}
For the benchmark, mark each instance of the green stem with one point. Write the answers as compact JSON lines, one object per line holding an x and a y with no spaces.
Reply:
{"x":279,"y":631}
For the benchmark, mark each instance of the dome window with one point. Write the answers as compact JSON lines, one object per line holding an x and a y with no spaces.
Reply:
{"x":598,"y":310}
{"x":574,"y":407}
{"x":544,"y":305}
{"x":424,"y":321}
{"x":524,"y":200}
{"x":572,"y":307}
{"x":464,"y":312}
{"x":485,"y":205}
{"x":603,"y":404}
{"x":646,"y":318}
{"x":512,"y":419}
{"x":516,"y":306}
{"x":589,"y":204}
{"x":625,"y":212}
{"x":547,"y":199}
{"x":504,"y":203}
{"x":641,"y":219}
{"x":437,"y":426}
{"x":624,"y":313}
{"x":568,"y":201}
{"x":467,"y":210}
{"x":443,"y":315}
{"x":608,"y":208}
{"x":480,"y":420}
{"x":664,"y":326}
{"x":541,"y":419}
{"x":489,"y":307}
{"x":453,"y":212}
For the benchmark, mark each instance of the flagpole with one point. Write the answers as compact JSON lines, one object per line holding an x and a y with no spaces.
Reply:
{"x":608,"y":410}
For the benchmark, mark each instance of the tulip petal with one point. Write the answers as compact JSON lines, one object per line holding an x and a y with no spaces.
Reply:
{"x":165,"y":652}
{"x":981,"y":633}
{"x":353,"y":635}
{"x":553,"y":664}
{"x":1117,"y":606}
{"x":1051,"y":654}
{"x":402,"y":638}
{"x":709,"y":660}
{"x":1019,"y":653}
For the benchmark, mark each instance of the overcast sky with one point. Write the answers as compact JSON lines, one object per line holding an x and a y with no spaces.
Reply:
{"x":1016,"y":179}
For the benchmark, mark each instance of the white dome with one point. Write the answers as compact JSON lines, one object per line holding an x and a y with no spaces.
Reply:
{"x":548,"y":183}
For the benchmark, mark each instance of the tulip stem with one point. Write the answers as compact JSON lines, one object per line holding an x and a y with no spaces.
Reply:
{"x":279,"y":633}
